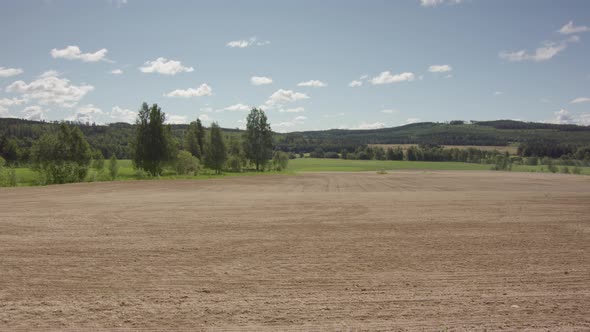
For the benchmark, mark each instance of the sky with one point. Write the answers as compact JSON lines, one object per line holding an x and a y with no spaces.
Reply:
{"x":310,"y":65}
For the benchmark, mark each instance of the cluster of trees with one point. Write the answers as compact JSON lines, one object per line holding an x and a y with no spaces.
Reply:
{"x":63,"y":154}
{"x":17,"y":137}
{"x":155,"y":147}
{"x":422,"y":152}
{"x":553,"y":149}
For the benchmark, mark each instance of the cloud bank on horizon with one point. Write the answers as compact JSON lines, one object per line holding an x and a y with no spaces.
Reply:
{"x":438,"y":60}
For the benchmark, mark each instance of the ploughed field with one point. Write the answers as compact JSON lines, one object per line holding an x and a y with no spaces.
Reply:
{"x":408,"y":250}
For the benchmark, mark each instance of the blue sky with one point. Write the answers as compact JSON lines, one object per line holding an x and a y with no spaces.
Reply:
{"x":309,"y":64}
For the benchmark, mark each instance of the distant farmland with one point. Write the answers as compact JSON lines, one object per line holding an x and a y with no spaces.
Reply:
{"x":509,"y":148}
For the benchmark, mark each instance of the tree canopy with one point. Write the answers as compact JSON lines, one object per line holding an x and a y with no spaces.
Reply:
{"x":153,"y":144}
{"x":258,"y":139}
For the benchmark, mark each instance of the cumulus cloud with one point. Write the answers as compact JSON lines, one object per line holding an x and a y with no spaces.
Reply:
{"x":281,"y":97}
{"x":50,"y":88}
{"x":35,"y":113}
{"x":73,"y":52}
{"x":298,"y":120}
{"x":176,"y":119}
{"x":9,"y":72}
{"x":390,"y":111}
{"x":498,"y":93}
{"x":355,"y":83}
{"x":165,"y":67}
{"x":202,"y":90}
{"x":292,"y":110}
{"x":543,"y":53}
{"x":119,"y":114}
{"x":580,"y":100}
{"x":116,"y":72}
{"x":440,"y":68}
{"x":243,"y":43}
{"x":412,"y":120}
{"x":260,"y":80}
{"x":237,"y":108}
{"x":434,"y":3}
{"x":564,"y":117}
{"x":85,"y":114}
{"x":7,"y":102}
{"x":312,"y":83}
{"x":367,"y":126}
{"x":387,"y":78}
{"x":569,"y":28}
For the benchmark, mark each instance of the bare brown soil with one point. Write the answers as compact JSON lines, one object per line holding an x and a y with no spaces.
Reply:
{"x":406,"y":250}
{"x":500,"y":148}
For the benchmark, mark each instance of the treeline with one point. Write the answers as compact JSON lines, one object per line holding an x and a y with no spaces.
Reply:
{"x":423,"y":152}
{"x":17,"y":137}
{"x":64,"y":155}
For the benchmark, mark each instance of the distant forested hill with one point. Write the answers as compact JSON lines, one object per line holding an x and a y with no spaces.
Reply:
{"x":116,"y":137}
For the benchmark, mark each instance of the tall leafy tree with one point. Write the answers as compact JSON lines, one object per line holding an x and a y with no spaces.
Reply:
{"x":191,"y":140}
{"x":200,"y":136}
{"x":258,"y":139}
{"x":216,"y":150}
{"x":153,"y":144}
{"x":62,"y":157}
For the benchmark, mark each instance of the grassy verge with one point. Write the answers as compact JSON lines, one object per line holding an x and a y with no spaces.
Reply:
{"x":28,"y":177}
{"x":340,"y":165}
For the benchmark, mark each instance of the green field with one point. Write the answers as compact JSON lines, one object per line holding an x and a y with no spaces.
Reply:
{"x":28,"y":177}
{"x":332,"y":165}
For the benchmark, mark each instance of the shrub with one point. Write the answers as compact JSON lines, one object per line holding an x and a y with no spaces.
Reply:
{"x":550,"y":166}
{"x":113,"y":167}
{"x":576,"y":170}
{"x":234,"y":163}
{"x":565,"y":170}
{"x":280,"y":161}
{"x":98,"y":161}
{"x":531,"y":161}
{"x":186,"y":163}
{"x":331,"y":155}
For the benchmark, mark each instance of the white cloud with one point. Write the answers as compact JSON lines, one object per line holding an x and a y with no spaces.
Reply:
{"x":564,"y":117}
{"x":355,"y":83}
{"x":176,"y":119}
{"x":543,"y":53}
{"x":118,"y":3}
{"x":390,"y":111}
{"x":386,"y":78}
{"x":11,"y":102}
{"x":498,"y":93}
{"x":298,"y":120}
{"x":119,"y":114}
{"x":165,"y":67}
{"x":260,"y":80}
{"x":440,"y":68}
{"x":8,"y":72}
{"x":237,"y":108}
{"x":49,"y":88}
{"x":74,"y":53}
{"x":85,"y":114}
{"x":434,"y":3}
{"x":412,"y":120}
{"x":367,"y":126}
{"x":116,"y":72}
{"x":313,"y":83}
{"x":580,"y":100}
{"x":205,"y":118}
{"x":569,"y":28}
{"x":292,"y":110}
{"x":202,"y":90}
{"x":281,"y":97}
{"x":243,"y":43}
{"x":35,"y":113}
